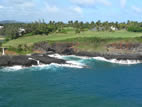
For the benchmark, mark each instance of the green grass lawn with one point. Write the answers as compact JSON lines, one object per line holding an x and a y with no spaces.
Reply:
{"x":1,"y":38}
{"x":71,"y":36}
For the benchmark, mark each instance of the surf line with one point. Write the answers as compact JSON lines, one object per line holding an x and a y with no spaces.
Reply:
{"x":124,"y":62}
{"x":115,"y":61}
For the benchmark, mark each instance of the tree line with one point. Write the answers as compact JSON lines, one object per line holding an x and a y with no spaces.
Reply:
{"x":11,"y":31}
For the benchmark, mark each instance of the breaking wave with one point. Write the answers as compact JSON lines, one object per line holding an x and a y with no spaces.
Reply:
{"x":124,"y":62}
{"x":72,"y":61}
{"x":70,"y":64}
{"x":83,"y":59}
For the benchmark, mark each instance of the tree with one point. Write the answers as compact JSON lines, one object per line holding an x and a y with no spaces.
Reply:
{"x":98,"y":23}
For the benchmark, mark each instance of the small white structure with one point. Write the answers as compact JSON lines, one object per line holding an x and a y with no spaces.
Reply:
{"x":3,"y":51}
{"x":1,"y":27}
{"x":113,"y":28}
{"x":21,"y":31}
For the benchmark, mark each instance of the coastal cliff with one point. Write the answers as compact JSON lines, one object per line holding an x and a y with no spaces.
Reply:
{"x":112,"y":51}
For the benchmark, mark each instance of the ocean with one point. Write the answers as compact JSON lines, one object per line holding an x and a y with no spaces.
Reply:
{"x":84,"y":82}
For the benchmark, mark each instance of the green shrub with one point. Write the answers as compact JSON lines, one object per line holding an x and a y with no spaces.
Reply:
{"x":21,"y":49}
{"x":135,"y":29}
{"x":77,"y":31}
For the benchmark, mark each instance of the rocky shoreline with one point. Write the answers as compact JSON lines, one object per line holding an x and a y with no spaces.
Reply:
{"x":111,"y":56}
{"x":63,"y":49}
{"x":68,"y":49}
{"x":36,"y":59}
{"x":27,"y":61}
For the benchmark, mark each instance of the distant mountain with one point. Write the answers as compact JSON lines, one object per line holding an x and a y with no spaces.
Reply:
{"x":9,"y":21}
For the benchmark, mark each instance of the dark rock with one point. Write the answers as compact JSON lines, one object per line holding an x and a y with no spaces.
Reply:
{"x":48,"y":60}
{"x":16,"y":60}
{"x":68,"y":51}
{"x":62,"y":48}
{"x":135,"y":50}
{"x":51,"y":50}
{"x":22,"y":60}
{"x":4,"y":60}
{"x":111,"y":56}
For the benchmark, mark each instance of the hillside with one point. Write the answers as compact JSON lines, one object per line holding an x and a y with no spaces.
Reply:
{"x":9,"y":21}
{"x":88,"y":40}
{"x":71,"y":36}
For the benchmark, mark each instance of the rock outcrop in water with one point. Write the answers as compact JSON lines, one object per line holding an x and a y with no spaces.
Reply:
{"x":45,"y":59}
{"x":16,"y":60}
{"x":28,"y":60}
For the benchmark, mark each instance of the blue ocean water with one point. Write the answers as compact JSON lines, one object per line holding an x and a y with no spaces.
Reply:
{"x":100,"y":84}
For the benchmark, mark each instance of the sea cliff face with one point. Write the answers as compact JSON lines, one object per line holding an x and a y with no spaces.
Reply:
{"x":114,"y":51}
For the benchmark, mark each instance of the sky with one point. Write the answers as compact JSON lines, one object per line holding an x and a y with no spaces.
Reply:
{"x":65,"y":10}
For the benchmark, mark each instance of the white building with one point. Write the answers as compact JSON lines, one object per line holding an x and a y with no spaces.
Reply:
{"x":113,"y":28}
{"x":1,"y":27}
{"x":21,"y":31}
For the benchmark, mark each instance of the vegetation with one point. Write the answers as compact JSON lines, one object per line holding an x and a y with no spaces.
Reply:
{"x":87,"y":40}
{"x":135,"y":29}
{"x":94,"y":34}
{"x":11,"y":31}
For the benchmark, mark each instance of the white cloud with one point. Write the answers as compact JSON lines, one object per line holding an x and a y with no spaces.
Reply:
{"x":136,"y":9}
{"x":28,"y":4}
{"x":105,"y":2}
{"x":82,"y":2}
{"x":51,"y":8}
{"x":78,"y":10}
{"x":1,"y":6}
{"x":91,"y":2}
{"x":15,"y":5}
{"x":123,"y":3}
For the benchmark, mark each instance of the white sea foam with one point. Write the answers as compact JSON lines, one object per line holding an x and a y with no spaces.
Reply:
{"x":58,"y":56}
{"x":76,"y":63}
{"x":126,"y":62}
{"x":70,"y":65}
{"x":12,"y":69}
{"x":81,"y":57}
{"x":16,"y":67}
{"x":44,"y":66}
{"x":38,"y":62}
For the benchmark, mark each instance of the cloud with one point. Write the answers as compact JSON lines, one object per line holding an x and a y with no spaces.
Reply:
{"x":17,"y":9}
{"x":18,"y":4}
{"x":51,"y":8}
{"x":91,"y":2}
{"x":1,"y":6}
{"x":105,"y":2}
{"x":83,"y":2}
{"x":136,"y":9}
{"x":78,"y":9}
{"x":85,"y":10}
{"x":123,"y":3}
{"x":28,"y":4}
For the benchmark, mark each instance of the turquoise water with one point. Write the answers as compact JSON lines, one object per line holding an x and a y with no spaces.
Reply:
{"x":100,"y":84}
